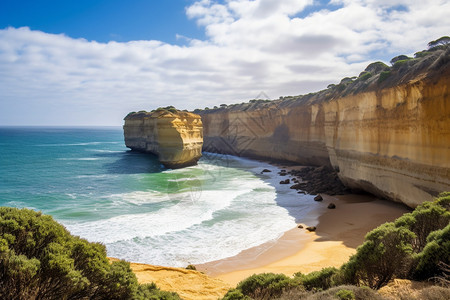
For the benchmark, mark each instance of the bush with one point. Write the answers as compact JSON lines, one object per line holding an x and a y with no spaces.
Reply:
{"x":345,"y":295}
{"x":40,"y":259}
{"x":359,"y":293}
{"x":318,"y":280}
{"x":434,"y":293}
{"x":191,"y":267}
{"x":421,"y":54}
{"x":385,"y":253}
{"x":399,"y":58}
{"x":261,"y":286}
{"x":364,"y":76}
{"x":427,"y":217}
{"x":383,"y":76}
{"x":435,"y":253}
{"x":235,"y":294}
{"x":376,"y":67}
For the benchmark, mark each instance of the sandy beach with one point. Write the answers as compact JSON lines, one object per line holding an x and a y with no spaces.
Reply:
{"x":339,"y":232}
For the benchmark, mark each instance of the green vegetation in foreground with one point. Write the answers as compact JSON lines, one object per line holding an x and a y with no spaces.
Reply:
{"x":40,"y":259}
{"x":416,"y":246}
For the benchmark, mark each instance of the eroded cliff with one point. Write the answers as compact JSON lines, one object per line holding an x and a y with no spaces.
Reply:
{"x":386,"y":132}
{"x":175,"y":137}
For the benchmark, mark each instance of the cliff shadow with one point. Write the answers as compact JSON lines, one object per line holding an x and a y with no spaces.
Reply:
{"x":353,"y":215}
{"x":133,"y":162}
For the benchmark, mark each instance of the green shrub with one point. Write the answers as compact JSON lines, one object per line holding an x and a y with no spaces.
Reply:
{"x":421,"y":54}
{"x":376,"y":67}
{"x":345,"y":295}
{"x":364,"y":76}
{"x":191,"y":267}
{"x":426,"y":218}
{"x":399,"y":58}
{"x":436,"y":251}
{"x":385,"y":253}
{"x":318,"y":280}
{"x":264,"y":286}
{"x":398,"y":64}
{"x":40,"y":259}
{"x":383,"y":76}
{"x":235,"y":294}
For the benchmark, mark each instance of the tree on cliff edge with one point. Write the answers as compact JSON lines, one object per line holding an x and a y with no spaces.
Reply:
{"x":445,"y":40}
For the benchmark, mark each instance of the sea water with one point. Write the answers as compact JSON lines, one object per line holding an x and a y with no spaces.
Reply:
{"x":91,"y":183}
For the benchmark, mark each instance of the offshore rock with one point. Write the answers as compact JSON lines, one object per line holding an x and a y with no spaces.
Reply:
{"x":176,"y":137}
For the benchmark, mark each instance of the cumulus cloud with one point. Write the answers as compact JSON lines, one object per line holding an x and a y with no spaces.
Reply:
{"x":251,"y":46}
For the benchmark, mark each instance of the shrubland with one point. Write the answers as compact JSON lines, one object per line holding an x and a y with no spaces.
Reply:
{"x":40,"y":259}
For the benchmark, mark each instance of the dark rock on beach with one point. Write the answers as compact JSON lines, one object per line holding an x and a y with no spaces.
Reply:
{"x":331,"y":206}
{"x":311,"y":228}
{"x":265,"y":171}
{"x":318,"y":198}
{"x":287,"y":181}
{"x":319,"y":180}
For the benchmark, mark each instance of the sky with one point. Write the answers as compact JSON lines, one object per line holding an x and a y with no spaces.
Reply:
{"x":90,"y":62}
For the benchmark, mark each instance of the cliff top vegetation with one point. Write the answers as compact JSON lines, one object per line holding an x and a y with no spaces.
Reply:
{"x":161,"y":112}
{"x":434,"y":61}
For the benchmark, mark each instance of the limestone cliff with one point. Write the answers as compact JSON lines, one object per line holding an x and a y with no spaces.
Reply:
{"x":386,"y":132}
{"x":175,"y":137}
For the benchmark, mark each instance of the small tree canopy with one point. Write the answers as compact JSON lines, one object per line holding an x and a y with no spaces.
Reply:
{"x":445,"y":40}
{"x":398,"y":58}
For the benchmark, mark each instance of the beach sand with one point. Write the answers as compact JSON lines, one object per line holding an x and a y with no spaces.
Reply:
{"x":189,"y":284}
{"x":339,"y":232}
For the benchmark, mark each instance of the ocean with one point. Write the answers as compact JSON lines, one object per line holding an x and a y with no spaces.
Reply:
{"x":91,"y":183}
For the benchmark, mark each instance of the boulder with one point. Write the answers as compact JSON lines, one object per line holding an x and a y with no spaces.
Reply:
{"x":311,"y":228}
{"x":318,"y":198}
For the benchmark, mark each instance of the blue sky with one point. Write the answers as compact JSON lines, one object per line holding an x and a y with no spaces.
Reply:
{"x":103,"y":20}
{"x":90,"y":62}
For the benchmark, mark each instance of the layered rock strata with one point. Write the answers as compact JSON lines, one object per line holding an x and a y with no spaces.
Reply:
{"x":175,"y":137}
{"x":387,"y":133}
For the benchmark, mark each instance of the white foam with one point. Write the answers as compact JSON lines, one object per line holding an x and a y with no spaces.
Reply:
{"x":234,"y":208}
{"x":104,"y":151}
{"x":173,"y":218}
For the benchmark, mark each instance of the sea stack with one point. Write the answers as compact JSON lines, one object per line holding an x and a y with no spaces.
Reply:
{"x":176,"y":137}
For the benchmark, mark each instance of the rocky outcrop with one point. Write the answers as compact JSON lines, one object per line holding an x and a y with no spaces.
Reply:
{"x":176,"y":137}
{"x":386,"y":132}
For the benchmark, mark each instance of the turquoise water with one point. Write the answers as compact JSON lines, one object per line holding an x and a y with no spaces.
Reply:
{"x":88,"y":180}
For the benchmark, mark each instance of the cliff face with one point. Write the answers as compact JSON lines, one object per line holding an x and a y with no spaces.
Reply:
{"x":176,"y":138}
{"x":390,"y":138}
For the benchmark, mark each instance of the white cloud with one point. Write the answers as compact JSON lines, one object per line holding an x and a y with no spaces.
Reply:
{"x":251,"y":46}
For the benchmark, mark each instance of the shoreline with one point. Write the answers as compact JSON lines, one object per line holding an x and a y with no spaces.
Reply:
{"x":339,"y":232}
